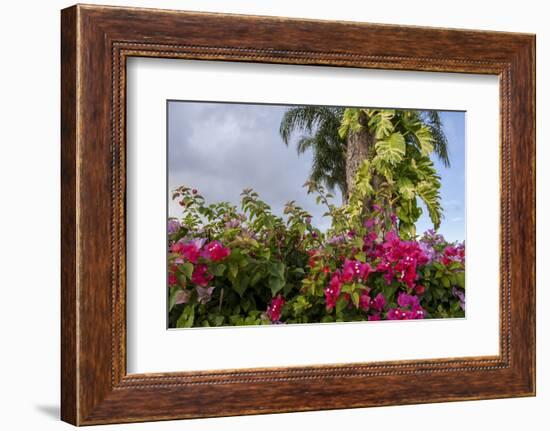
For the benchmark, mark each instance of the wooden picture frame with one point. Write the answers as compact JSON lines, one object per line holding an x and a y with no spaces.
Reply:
{"x":95,"y":43}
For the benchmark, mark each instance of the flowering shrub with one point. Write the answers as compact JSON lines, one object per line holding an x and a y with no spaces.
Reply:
{"x":250,"y":267}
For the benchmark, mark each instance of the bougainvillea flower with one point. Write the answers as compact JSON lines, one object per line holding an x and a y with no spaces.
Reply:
{"x":379,"y":302}
{"x":409,"y":308}
{"x":460,"y":295}
{"x":429,"y":251}
{"x":419,"y":289}
{"x":405,"y":300}
{"x":215,"y":251}
{"x":182,"y":297}
{"x":332,"y":292}
{"x":233,"y":223}
{"x":369,"y":223}
{"x":173,"y":226}
{"x":172,"y":279}
{"x":453,"y":253}
{"x":204,"y":294}
{"x":177,"y":247}
{"x":200,"y":275}
{"x":374,"y":317}
{"x":365,"y":301}
{"x":275,"y":308}
{"x":396,"y":314}
{"x":355,"y":270}
{"x":190,"y":249}
{"x":399,"y":259}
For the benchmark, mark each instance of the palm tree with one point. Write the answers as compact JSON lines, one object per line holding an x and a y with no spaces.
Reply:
{"x":394,"y":142}
{"x":321,"y":125}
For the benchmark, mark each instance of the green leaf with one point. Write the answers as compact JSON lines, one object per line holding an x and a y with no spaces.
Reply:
{"x":460,"y":279}
{"x":341,"y":303}
{"x":406,"y":188}
{"x":355,"y":298}
{"x":186,"y":269}
{"x":172,"y":297}
{"x":361,"y":256}
{"x":241,"y":283}
{"x":276,"y":284}
{"x":407,"y":230}
{"x":216,"y":320}
{"x":429,"y":193}
{"x":277,"y":269}
{"x":187,"y":317}
{"x":383,"y":168}
{"x":350,"y":121}
{"x":301,"y":228}
{"x":219,"y":270}
{"x":425,"y":140}
{"x":391,"y":149}
{"x":255,"y":278}
{"x":381,"y":124}
{"x":233,"y":270}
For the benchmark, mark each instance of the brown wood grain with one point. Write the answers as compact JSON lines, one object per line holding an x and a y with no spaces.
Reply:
{"x":95,"y":42}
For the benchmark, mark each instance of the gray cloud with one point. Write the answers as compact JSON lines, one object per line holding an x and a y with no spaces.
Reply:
{"x":222,"y":148}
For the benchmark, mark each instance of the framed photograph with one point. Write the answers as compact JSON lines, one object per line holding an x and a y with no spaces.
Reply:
{"x":322,"y":214}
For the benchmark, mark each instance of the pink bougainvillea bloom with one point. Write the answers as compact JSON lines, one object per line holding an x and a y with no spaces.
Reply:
{"x":215,"y":251}
{"x":379,"y":302}
{"x":200,"y":275}
{"x":172,"y":279}
{"x":369,"y":223}
{"x":399,"y":259}
{"x":409,"y":308}
{"x":419,"y":289}
{"x":405,"y":300}
{"x":396,"y":314}
{"x":177,"y":247}
{"x":365,"y":301}
{"x":173,"y":226}
{"x":204,"y":294}
{"x":333,"y":291}
{"x":275,"y":308}
{"x":374,"y":317}
{"x":453,"y":253}
{"x":190,"y":250}
{"x":182,"y":297}
{"x":417,"y":313}
{"x":355,"y":270}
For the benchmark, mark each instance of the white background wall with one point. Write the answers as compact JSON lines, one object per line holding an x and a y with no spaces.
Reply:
{"x":29,"y":214}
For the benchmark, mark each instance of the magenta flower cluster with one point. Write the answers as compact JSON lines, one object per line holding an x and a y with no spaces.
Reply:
{"x":399,"y":259}
{"x":200,"y":254}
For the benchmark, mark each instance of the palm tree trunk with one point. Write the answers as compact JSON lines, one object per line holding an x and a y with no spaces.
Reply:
{"x":358,"y":147}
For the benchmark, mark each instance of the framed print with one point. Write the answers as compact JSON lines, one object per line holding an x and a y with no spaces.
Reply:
{"x":255,"y":205}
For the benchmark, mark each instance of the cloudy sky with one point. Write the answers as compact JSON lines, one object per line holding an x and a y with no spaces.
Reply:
{"x":222,"y":148}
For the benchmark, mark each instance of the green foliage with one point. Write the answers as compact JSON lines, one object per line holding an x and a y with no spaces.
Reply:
{"x":400,"y":171}
{"x":391,"y":149}
{"x":271,"y":258}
